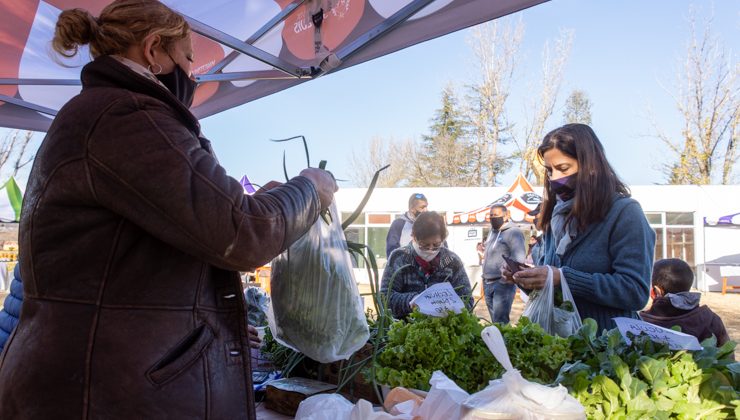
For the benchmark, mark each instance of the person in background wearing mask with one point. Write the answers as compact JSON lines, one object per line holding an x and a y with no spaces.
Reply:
{"x":422,"y":263}
{"x":399,"y":233}
{"x":132,"y":237}
{"x":595,"y":235}
{"x":505,"y":239}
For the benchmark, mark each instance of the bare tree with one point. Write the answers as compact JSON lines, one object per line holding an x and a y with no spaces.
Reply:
{"x":14,"y":153}
{"x":731,"y":151}
{"x":496,"y":48}
{"x":577,"y":108}
{"x":553,"y":62}
{"x":707,"y":98}
{"x":380,"y":152}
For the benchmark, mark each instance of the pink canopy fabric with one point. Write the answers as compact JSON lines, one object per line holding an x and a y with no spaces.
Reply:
{"x":245,"y":49}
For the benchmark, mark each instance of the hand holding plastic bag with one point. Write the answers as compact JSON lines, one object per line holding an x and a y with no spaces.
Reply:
{"x":562,"y":320}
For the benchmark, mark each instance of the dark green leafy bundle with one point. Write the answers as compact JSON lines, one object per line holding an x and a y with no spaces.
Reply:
{"x":565,"y":305}
{"x":453,"y":345}
{"x":647,"y":380}
{"x":282,"y":358}
{"x":536,"y":354}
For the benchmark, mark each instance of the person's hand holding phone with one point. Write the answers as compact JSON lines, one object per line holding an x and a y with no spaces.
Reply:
{"x":510,"y":267}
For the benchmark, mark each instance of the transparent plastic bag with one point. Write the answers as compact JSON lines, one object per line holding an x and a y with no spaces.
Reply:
{"x":513,"y":397}
{"x":258,"y":302}
{"x":316,"y":308}
{"x":554,"y":320}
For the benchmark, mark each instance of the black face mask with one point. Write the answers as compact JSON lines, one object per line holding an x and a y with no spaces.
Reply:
{"x":179,"y":84}
{"x":497,"y":222}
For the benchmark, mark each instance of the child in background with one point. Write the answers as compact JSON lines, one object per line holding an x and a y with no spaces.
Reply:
{"x":674,"y":304}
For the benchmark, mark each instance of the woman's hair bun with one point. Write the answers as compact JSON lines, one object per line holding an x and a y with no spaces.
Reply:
{"x":74,"y":27}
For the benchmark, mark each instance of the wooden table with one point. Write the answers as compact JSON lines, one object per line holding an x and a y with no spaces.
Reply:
{"x":729,"y":271}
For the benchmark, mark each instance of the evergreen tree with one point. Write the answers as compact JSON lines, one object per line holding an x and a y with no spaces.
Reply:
{"x":444,"y":158}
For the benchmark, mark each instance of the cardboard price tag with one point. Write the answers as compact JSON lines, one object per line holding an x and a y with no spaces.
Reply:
{"x":438,"y":299}
{"x":675,"y":340}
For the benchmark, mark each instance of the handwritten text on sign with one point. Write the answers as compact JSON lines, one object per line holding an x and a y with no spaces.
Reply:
{"x":675,"y":340}
{"x":438,"y":299}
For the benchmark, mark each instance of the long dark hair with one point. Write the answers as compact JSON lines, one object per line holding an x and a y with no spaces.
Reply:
{"x":596,"y":181}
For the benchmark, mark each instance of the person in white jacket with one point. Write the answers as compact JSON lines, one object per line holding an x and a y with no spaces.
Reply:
{"x":400,"y":232}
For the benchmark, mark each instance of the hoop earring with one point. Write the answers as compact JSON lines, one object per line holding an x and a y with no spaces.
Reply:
{"x":159,"y":70}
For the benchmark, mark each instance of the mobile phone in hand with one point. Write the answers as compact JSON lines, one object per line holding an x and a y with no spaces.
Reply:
{"x":514,"y":266}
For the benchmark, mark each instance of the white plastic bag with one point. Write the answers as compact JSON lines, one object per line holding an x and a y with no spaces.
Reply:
{"x":316,"y":307}
{"x":444,"y":400}
{"x":541,"y":308}
{"x":324,"y":407}
{"x":336,"y":407}
{"x":514,"y":396}
{"x":363,"y":410}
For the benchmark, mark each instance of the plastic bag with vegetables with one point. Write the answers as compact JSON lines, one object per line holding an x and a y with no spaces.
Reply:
{"x":316,"y":307}
{"x":257,"y":303}
{"x":554,"y":309}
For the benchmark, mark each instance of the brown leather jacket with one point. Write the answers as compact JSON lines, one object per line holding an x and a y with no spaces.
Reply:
{"x":131,"y":235}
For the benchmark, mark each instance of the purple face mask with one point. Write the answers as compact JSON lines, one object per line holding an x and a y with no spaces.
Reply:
{"x":565,"y":187}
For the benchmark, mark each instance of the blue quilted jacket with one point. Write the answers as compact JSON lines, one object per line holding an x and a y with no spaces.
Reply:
{"x":12,"y":307}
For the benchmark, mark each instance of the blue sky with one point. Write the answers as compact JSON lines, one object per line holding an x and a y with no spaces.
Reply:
{"x":621,"y":51}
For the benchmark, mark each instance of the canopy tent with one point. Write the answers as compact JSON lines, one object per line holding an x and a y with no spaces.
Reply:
{"x":729,"y":220}
{"x":520,"y":199}
{"x":11,"y":198}
{"x":244,"y":49}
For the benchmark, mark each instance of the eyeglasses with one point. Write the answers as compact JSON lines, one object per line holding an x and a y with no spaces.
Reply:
{"x":433,"y":247}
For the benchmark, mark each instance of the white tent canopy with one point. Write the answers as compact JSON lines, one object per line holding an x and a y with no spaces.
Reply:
{"x":245,"y":49}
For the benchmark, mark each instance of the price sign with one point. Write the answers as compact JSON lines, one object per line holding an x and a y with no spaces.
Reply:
{"x":675,"y":340}
{"x":438,"y":299}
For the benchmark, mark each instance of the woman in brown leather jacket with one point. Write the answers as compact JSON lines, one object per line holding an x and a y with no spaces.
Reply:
{"x":131,"y":238}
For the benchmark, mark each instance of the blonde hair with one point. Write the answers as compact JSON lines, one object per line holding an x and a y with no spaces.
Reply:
{"x":121,"y":24}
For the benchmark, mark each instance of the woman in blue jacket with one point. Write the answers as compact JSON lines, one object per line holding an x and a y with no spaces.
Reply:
{"x":595,"y":234}
{"x":11,"y":307}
